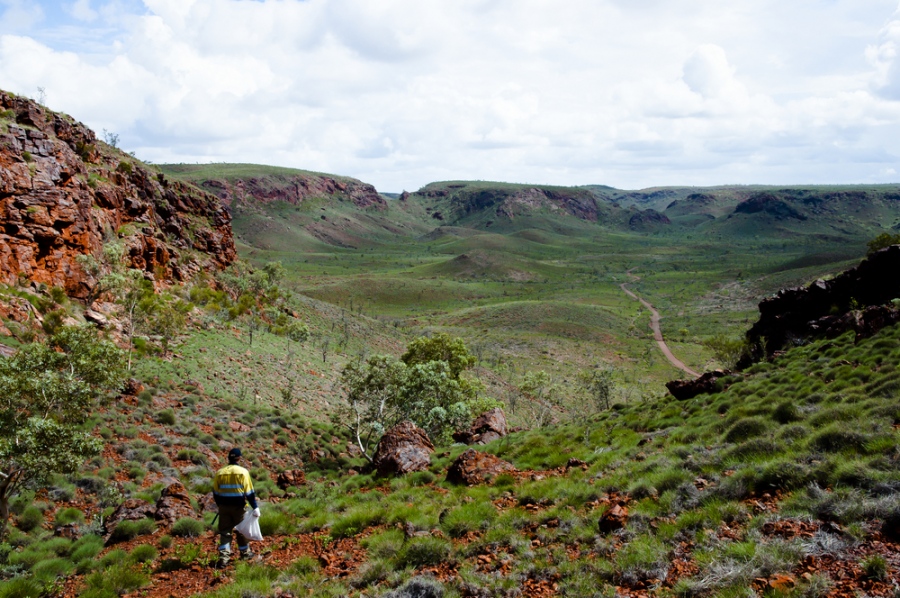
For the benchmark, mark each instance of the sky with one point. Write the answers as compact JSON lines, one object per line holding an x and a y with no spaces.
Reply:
{"x":400,"y":93}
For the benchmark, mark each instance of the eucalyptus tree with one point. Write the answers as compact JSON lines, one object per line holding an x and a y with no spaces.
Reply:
{"x":47,"y":390}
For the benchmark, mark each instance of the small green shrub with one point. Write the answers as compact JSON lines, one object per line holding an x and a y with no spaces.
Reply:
{"x":875,"y":567}
{"x":643,"y":558}
{"x":164,"y":541}
{"x":474,"y":516}
{"x":52,"y":569}
{"x":194,"y":456}
{"x":745,"y":428}
{"x":782,"y":475}
{"x":786,"y":412}
{"x":86,"y":547}
{"x":371,"y":572}
{"x":187,"y":527}
{"x":422,"y":478}
{"x":128,"y":530}
{"x":356,"y":521}
{"x":837,"y":438}
{"x":69,"y":515}
{"x":58,"y":546}
{"x":31,"y":518}
{"x":424,"y":551}
{"x":274,"y":521}
{"x":166,"y":417}
{"x":21,"y":587}
{"x":143,"y":553}
{"x":304,"y":566}
{"x":112,"y":558}
{"x":385,"y":545}
{"x":117,"y":580}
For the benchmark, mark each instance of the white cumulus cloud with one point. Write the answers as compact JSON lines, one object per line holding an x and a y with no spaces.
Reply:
{"x":402,"y":92}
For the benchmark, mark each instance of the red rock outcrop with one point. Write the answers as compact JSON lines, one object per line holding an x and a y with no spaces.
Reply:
{"x":62,"y":193}
{"x":487,"y":427}
{"x":708,"y":383}
{"x":829,"y":307}
{"x":293,"y":477}
{"x":174,"y":503}
{"x":294,"y":189}
{"x":133,"y":509}
{"x":403,"y":449}
{"x":472,"y":467}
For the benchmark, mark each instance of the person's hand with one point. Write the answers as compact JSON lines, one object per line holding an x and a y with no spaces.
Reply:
{"x":256,"y":512}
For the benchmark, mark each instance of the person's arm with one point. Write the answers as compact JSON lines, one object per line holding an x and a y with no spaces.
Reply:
{"x":249,"y":493}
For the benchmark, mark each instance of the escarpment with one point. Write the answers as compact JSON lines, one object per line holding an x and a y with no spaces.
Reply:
{"x":64,"y":194}
{"x":295,"y":189}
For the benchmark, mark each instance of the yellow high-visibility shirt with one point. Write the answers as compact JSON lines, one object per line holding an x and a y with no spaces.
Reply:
{"x":232,"y":486}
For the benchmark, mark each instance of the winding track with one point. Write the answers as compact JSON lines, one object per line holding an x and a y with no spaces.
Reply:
{"x":657,"y":333}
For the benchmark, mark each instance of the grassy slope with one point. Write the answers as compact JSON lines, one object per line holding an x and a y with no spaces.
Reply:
{"x":537,"y":293}
{"x":721,"y":491}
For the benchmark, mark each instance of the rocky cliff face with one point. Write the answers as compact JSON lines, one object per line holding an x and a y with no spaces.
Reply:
{"x":293,"y":189}
{"x":861,"y":299}
{"x":63,"y":194}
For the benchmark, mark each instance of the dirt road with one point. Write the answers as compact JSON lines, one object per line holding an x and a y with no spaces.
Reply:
{"x":657,"y":333}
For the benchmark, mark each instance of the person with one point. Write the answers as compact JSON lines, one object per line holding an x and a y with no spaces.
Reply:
{"x":232,"y":489}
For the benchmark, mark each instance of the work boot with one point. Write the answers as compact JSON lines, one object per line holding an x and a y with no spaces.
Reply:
{"x":222,"y":562}
{"x":247,"y":555}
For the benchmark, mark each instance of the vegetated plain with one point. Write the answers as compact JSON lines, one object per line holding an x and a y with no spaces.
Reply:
{"x":755,"y":488}
{"x":530,"y":282}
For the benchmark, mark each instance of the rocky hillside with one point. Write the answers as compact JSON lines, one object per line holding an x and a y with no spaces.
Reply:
{"x":849,"y":210}
{"x":265,"y":184}
{"x":863,"y":299}
{"x":63,"y":193}
{"x":465,"y":201}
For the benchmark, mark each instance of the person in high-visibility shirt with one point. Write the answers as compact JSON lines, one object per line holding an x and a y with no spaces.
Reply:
{"x":232,"y":489}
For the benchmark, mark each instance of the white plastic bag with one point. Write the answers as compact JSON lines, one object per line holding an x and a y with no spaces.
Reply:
{"x":249,"y":527}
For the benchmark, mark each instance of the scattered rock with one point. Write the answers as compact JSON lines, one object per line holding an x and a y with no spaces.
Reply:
{"x":132,"y":387}
{"x":70,"y":531}
{"x":403,"y":449}
{"x":97,"y":318}
{"x":705,"y":384}
{"x":782,"y":582}
{"x":209,"y":454}
{"x":174,"y":503}
{"x":132,"y":509}
{"x":473,"y":467}
{"x":238,"y":427}
{"x":293,"y":477}
{"x":207,"y":502}
{"x":613,"y":519}
{"x":487,"y":427}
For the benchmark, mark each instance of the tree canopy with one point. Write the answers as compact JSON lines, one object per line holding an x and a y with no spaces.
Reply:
{"x":424,"y":386}
{"x":46,"y":391}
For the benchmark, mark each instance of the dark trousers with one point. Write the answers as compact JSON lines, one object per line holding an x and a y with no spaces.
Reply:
{"x":229,"y":517}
